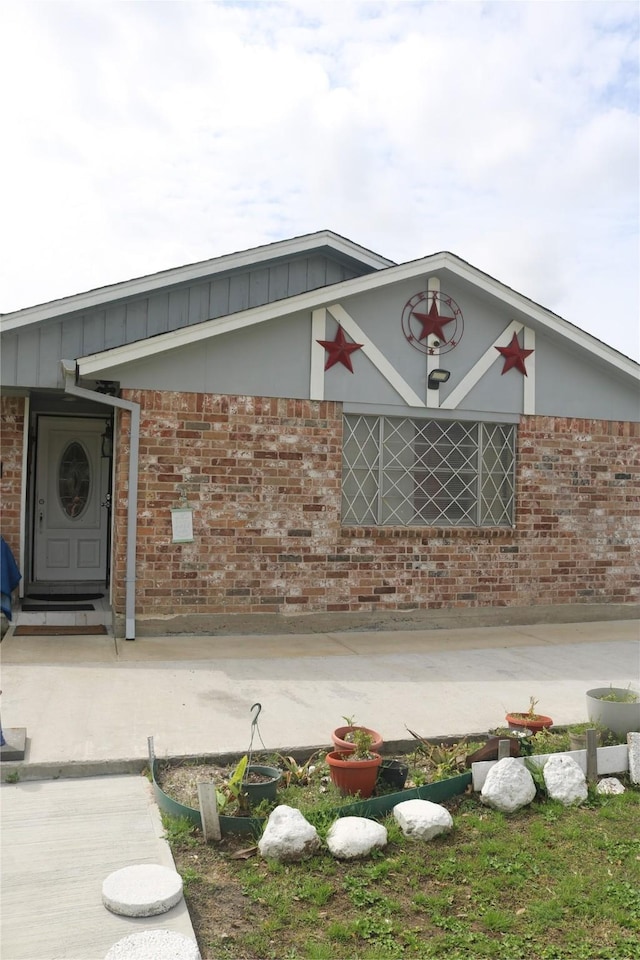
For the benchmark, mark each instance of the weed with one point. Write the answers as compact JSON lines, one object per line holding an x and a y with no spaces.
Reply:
{"x":538,"y":776}
{"x":548,"y":741}
{"x":498,"y":921}
{"x":620,"y":696}
{"x":13,"y":777}
{"x":179,"y":830}
{"x":189,"y":877}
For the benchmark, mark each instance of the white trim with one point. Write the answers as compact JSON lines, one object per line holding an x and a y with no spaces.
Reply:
{"x":324,"y":296}
{"x":481,"y":366}
{"x":191,"y":273}
{"x":318,"y":332}
{"x":529,"y":385}
{"x":432,"y":397}
{"x":377,"y":358}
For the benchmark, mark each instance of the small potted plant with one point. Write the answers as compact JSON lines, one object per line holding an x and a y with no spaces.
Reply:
{"x":393,"y":773}
{"x":259,"y":782}
{"x":344,"y":737}
{"x":355,"y":772}
{"x":615,"y":708}
{"x":578,"y":734}
{"x":529,"y":720}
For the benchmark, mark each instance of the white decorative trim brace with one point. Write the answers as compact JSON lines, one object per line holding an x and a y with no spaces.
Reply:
{"x":489,"y":357}
{"x":433,"y":359}
{"x":377,"y":358}
{"x":318,"y":332}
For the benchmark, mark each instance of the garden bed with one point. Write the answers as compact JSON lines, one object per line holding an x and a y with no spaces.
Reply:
{"x":435,"y":775}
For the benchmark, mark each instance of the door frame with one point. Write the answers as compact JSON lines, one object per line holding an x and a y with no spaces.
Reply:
{"x":56,"y":407}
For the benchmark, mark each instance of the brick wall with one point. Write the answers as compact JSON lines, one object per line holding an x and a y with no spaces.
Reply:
{"x":263,"y":478}
{"x":11,"y":441}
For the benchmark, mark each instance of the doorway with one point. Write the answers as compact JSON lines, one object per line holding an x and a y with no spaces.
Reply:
{"x":71,"y":506}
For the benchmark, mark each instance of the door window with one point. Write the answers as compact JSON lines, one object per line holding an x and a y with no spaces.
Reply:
{"x":74,"y":479}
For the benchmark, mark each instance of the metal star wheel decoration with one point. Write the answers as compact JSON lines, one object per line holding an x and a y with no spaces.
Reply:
{"x":339,"y":350}
{"x":432,"y":322}
{"x":514,"y":355}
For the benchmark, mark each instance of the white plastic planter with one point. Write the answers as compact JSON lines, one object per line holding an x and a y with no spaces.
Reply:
{"x":621,"y":718}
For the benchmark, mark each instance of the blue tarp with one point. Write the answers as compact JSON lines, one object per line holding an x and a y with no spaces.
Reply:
{"x":10,"y":577}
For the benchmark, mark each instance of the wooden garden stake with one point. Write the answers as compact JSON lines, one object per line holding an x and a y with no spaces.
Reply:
{"x":592,"y":755}
{"x":209,"y":811}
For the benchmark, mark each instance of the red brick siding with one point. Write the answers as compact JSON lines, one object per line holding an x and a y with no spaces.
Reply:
{"x":11,"y":445}
{"x":263,"y":478}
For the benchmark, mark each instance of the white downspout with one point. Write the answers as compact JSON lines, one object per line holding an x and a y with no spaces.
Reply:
{"x":70,"y":386}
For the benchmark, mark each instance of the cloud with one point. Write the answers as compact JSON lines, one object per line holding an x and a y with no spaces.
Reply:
{"x":147,"y":135}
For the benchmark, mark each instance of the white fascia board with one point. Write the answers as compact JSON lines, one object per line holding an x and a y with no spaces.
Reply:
{"x":190,"y":273}
{"x":325,"y":296}
{"x":568,"y":331}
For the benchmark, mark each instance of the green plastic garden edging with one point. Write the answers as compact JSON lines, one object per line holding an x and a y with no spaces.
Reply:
{"x":373,"y":807}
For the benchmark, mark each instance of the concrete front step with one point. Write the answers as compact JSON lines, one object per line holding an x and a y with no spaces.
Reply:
{"x":65,"y":618}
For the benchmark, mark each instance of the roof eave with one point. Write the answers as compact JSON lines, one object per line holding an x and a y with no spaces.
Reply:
{"x":140,"y":286}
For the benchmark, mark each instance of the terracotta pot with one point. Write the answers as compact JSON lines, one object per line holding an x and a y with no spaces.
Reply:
{"x":353,"y":777}
{"x":339,"y":742}
{"x":534,"y":722}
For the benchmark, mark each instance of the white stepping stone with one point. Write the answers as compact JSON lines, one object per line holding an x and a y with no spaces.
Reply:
{"x":142,"y":890}
{"x":154,"y":945}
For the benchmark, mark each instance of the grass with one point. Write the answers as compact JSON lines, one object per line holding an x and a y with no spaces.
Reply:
{"x":548,"y":883}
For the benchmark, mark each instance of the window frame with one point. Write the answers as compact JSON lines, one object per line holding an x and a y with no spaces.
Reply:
{"x":388,"y":488}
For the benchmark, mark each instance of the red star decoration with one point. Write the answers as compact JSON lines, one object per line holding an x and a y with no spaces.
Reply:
{"x":432,"y":322}
{"x":514,"y":355}
{"x":339,"y":350}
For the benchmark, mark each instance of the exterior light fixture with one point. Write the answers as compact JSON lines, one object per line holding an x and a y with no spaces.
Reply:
{"x":436,"y":377}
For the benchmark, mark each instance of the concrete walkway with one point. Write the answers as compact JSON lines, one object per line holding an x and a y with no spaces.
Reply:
{"x":60,"y":840}
{"x":96,"y":701}
{"x":89,"y":704}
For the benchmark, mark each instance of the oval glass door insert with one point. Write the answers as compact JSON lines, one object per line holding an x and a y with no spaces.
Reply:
{"x":74,"y":479}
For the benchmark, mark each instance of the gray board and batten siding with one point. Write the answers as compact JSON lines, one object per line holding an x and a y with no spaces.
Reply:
{"x":31,"y":354}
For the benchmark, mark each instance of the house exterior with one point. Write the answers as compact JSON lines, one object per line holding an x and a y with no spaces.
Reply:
{"x":309,"y":427}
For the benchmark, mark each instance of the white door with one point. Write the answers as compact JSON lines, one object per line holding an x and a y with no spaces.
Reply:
{"x":71,"y":516}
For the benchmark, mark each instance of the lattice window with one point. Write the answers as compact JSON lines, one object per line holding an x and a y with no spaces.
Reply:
{"x":396,"y":470}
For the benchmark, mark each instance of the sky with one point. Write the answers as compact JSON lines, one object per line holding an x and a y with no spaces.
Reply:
{"x":142,"y":136}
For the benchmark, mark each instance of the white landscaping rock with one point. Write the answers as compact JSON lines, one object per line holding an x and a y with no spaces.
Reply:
{"x":143,"y":890}
{"x":508,"y":787}
{"x":610,"y":785}
{"x":154,"y":945}
{"x":564,"y":779}
{"x":353,"y":837}
{"x":422,"y":819}
{"x":288,"y":836}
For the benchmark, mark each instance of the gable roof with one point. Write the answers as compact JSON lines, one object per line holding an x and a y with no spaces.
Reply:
{"x":322,"y":241}
{"x":522,"y":307}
